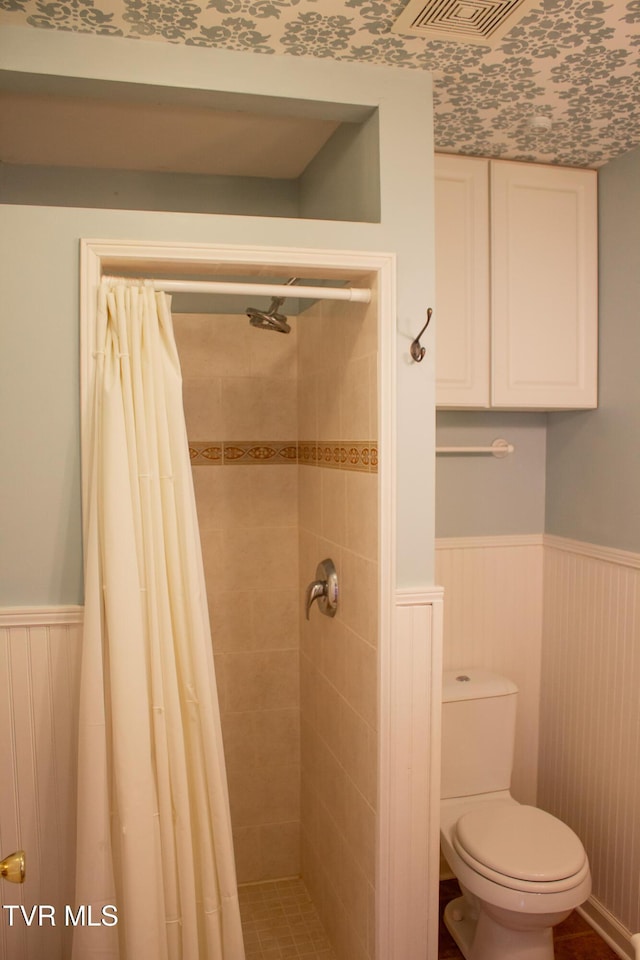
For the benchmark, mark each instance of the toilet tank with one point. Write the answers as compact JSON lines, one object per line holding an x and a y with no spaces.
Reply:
{"x":478,"y":732}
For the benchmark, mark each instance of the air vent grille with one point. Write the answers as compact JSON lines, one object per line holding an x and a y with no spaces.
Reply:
{"x":463,"y":21}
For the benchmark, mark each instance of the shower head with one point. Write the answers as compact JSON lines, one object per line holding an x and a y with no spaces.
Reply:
{"x":271,"y":319}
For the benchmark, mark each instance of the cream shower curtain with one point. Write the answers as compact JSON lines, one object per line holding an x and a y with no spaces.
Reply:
{"x":154,"y":834}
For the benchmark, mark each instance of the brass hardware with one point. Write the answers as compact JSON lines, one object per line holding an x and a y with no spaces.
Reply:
{"x":13,"y":867}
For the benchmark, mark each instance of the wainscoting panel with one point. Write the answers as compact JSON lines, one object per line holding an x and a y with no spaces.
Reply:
{"x":590,"y":713}
{"x":493,"y":619}
{"x":39,"y":676}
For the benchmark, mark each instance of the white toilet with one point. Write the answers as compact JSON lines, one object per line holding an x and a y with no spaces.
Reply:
{"x":521,"y":871}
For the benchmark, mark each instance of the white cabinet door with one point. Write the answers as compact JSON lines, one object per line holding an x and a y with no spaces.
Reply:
{"x":543,"y":286}
{"x":462,"y":281}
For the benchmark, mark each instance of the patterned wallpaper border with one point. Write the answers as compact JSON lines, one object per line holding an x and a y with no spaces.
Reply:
{"x":359,"y":455}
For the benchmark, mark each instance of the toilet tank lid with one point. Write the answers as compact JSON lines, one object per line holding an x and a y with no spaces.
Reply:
{"x":475,"y":684}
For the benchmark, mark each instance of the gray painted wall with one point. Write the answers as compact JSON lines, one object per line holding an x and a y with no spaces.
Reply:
{"x":478,"y":495}
{"x":145,"y":190}
{"x":40,"y":560}
{"x":343,"y":181}
{"x":593,"y":457}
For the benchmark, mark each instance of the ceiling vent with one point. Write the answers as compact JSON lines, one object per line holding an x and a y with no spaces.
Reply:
{"x":462,"y":21}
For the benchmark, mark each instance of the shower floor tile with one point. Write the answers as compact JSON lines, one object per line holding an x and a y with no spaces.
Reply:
{"x":280,"y":922}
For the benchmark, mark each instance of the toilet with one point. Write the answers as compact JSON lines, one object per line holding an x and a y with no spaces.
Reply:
{"x":521,"y":870}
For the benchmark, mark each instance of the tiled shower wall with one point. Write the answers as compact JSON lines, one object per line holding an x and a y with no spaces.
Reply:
{"x":338,"y":492}
{"x":282,"y":434}
{"x":240,"y":397}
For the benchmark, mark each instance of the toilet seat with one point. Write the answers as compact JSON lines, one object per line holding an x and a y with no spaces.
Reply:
{"x":520,"y":847}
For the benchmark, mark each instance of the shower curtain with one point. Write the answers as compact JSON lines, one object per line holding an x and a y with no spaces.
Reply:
{"x":154,"y":847}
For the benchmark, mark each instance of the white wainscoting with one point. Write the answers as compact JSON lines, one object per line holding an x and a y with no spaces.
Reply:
{"x":493,"y":619}
{"x":409,"y":841}
{"x":590,"y":720}
{"x":39,"y":675}
{"x":585,"y":673}
{"x":562,"y":618}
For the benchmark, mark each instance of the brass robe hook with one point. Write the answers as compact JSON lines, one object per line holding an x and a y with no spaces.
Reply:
{"x":417,"y":351}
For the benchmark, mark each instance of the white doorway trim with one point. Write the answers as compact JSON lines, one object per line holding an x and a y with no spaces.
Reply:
{"x":410,"y":639}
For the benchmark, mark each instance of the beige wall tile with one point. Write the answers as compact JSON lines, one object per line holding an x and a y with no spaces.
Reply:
{"x":308,"y":710}
{"x":254,"y":556}
{"x":309,"y":498}
{"x":362,"y":511}
{"x":333,"y":648}
{"x":358,"y":601}
{"x":374,"y":400}
{"x":239,"y":743}
{"x":329,"y":714}
{"x":333,"y":504}
{"x":358,"y":752}
{"x":308,"y":407}
{"x":233,"y":489}
{"x":356,"y":904}
{"x":209,"y":486}
{"x":245,"y":620}
{"x":361,"y":831}
{"x":248,"y":855}
{"x":212,"y":555}
{"x":213,"y":345}
{"x":230,"y":616}
{"x":218,"y":666}
{"x":242,"y":408}
{"x":271,"y":355}
{"x":329,"y":404}
{"x":276,"y":736}
{"x":310,"y":340}
{"x":356,"y":400}
{"x":294,"y":721}
{"x":274,"y":619}
{"x":261,"y":795}
{"x":280,"y":849}
{"x":332,"y":792}
{"x":203,"y":410}
{"x":273,"y":495}
{"x":362,"y":677}
{"x":261,"y":681}
{"x":257,"y":408}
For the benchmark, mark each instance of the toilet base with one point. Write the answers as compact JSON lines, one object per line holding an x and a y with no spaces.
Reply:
{"x":460,"y":923}
{"x":479,"y":937}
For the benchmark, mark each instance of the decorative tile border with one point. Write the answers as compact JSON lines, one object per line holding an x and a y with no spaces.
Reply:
{"x":340,"y":455}
{"x":361,"y":456}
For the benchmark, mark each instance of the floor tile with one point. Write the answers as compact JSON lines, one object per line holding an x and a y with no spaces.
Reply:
{"x":280,"y":922}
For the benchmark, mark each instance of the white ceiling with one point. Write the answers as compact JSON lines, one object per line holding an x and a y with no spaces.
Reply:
{"x":574,"y":62}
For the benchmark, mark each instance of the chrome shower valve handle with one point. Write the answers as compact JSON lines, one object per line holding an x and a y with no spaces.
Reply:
{"x":324,"y":589}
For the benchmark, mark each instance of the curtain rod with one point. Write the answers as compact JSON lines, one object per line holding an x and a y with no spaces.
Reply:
{"x":353,"y":294}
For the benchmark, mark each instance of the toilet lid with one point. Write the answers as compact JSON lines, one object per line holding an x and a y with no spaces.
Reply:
{"x":521,"y":842}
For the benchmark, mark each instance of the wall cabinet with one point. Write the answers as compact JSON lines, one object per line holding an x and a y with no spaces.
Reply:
{"x":516,"y":285}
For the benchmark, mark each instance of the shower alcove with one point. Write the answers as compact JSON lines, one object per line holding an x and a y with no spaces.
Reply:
{"x":292,"y":446}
